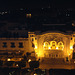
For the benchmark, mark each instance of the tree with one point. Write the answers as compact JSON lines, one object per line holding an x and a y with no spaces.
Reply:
{"x":21,"y":64}
{"x":9,"y":63}
{"x":1,"y":63}
{"x":34,"y":64}
{"x":28,"y":54}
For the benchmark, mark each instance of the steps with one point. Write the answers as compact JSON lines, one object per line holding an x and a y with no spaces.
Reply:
{"x":53,"y":61}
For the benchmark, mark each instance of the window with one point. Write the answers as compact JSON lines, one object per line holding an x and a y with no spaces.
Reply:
{"x":74,"y":40}
{"x":32,"y":39}
{"x":12,"y":44}
{"x":35,"y":38}
{"x":28,"y":15}
{"x":4,"y":44}
{"x":33,"y":45}
{"x":46,"y":44}
{"x":60,"y":46}
{"x":56,"y":55}
{"x":53,"y":45}
{"x":20,"y":45}
{"x":49,"y":55}
{"x":71,"y":38}
{"x":31,"y":35}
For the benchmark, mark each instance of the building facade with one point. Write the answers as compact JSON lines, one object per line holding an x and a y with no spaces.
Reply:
{"x":46,"y":45}
{"x":53,"y":44}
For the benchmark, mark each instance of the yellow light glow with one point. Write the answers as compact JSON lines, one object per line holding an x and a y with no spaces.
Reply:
{"x":74,"y":62}
{"x":40,"y":54}
{"x":62,"y":48}
{"x":8,"y":59}
{"x":36,"y":53}
{"x":35,"y":47}
{"x":71,"y":47}
{"x":28,"y":15}
{"x":44,"y":44}
{"x":16,"y":64}
{"x":20,"y":59}
{"x":18,"y":51}
{"x":69,"y":54}
{"x":29,"y":60}
{"x":49,"y":47}
{"x":35,"y":74}
{"x":56,"y":47}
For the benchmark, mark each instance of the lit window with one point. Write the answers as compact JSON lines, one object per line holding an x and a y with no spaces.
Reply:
{"x":46,"y":44}
{"x":60,"y":46}
{"x":28,"y":15}
{"x":53,"y":45}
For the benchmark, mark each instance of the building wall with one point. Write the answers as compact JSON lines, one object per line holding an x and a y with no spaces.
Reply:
{"x":66,"y":39}
{"x":35,"y":43}
{"x":7,"y":46}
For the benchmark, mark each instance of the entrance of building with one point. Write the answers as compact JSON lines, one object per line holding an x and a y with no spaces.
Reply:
{"x":53,"y":54}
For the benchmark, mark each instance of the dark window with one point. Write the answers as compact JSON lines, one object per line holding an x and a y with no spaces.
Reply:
{"x":12,"y":44}
{"x":35,"y":38}
{"x":20,"y":45}
{"x":33,"y":45}
{"x":32,"y":39}
{"x":4,"y":44}
{"x":71,"y":38}
{"x":56,"y":55}
{"x":31,"y":35}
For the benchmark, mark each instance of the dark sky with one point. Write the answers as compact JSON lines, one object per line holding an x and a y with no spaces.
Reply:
{"x":13,"y":4}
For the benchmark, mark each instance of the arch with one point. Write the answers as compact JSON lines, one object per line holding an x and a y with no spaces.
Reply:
{"x":53,"y":44}
{"x":60,"y":45}
{"x":46,"y":45}
{"x":54,"y":32}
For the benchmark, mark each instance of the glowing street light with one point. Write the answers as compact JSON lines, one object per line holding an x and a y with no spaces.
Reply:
{"x":8,"y":59}
{"x":29,"y":60}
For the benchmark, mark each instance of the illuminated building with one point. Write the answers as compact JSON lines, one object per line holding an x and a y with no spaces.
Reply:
{"x":51,"y":41}
{"x":50,"y":44}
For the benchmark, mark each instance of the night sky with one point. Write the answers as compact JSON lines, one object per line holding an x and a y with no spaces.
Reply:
{"x":14,"y":4}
